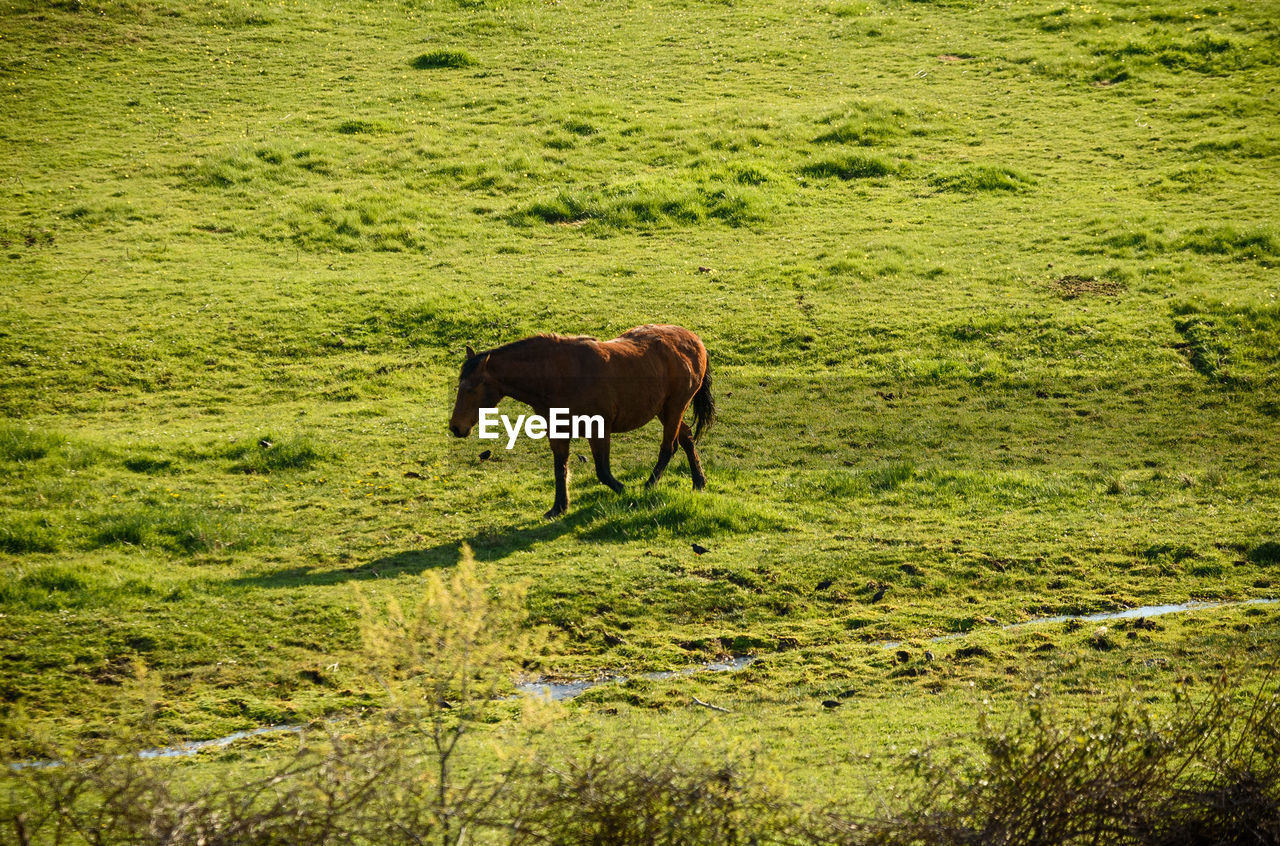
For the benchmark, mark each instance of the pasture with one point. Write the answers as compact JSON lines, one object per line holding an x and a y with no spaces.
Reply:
{"x":989,"y":291}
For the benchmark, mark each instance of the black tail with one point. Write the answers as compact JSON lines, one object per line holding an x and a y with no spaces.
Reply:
{"x":704,"y":405}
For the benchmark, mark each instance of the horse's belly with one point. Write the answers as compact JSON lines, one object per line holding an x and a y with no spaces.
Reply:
{"x":632,"y":421}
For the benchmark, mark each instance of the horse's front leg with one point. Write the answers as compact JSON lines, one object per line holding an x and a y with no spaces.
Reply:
{"x":600,"y":452}
{"x":560,"y":458}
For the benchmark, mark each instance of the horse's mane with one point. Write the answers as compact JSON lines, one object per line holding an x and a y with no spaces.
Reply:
{"x":472,"y":363}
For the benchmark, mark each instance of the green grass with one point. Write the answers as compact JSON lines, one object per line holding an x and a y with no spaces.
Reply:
{"x":974,"y":178}
{"x":989,"y":293}
{"x":443,"y":59}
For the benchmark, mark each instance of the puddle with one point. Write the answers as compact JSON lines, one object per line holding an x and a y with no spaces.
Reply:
{"x":1102,"y":616}
{"x":561,"y":691}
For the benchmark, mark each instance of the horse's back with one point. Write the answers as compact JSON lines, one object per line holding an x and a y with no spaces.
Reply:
{"x":668,"y":341}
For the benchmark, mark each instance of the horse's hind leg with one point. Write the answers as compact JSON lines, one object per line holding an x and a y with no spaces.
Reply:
{"x":670,"y":429}
{"x":600,"y":452}
{"x":691,"y":452}
{"x":560,"y":458}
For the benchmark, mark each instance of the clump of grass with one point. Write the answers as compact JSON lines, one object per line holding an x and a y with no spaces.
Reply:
{"x":443,"y":59}
{"x":245,"y":165}
{"x":1139,"y":240}
{"x":652,"y":202}
{"x":444,"y":325}
{"x":877,"y":479}
{"x":1176,"y":553}
{"x":865,"y":124}
{"x":179,"y":529}
{"x":1112,"y":73}
{"x":1208,"y":54}
{"x":1257,"y":243}
{"x":23,"y":533}
{"x":581,"y":128}
{"x":382,"y":223}
{"x":362,"y":127}
{"x":22,"y":444}
{"x":851,"y":166}
{"x":43,"y":587}
{"x":1206,"y":349}
{"x":269,"y":453}
{"x":751,"y":173}
{"x":976,"y":178}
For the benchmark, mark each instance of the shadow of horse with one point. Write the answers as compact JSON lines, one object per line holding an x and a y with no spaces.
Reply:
{"x":489,"y":545}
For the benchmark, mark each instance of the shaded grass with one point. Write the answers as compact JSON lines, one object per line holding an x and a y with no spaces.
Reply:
{"x":851,"y":166}
{"x":1231,"y":345}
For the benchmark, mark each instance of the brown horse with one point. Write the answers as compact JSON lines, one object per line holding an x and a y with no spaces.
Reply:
{"x":646,"y":372}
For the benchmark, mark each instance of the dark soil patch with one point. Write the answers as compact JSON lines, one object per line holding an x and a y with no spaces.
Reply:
{"x":1069,"y":287}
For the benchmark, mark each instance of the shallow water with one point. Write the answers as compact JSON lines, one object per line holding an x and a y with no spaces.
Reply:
{"x":195,"y":746}
{"x":1101,"y":616}
{"x":554,"y":691}
{"x":182,"y":749}
{"x":560,"y":691}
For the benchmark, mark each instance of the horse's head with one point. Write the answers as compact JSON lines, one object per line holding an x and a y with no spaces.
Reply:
{"x":475,"y":391}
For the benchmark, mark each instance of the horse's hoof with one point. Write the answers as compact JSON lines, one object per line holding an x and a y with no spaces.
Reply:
{"x":554,"y":513}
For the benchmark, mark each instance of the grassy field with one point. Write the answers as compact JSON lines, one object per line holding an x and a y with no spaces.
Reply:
{"x":989,"y":290}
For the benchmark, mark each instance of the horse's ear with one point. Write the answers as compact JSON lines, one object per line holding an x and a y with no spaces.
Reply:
{"x":470,"y":353}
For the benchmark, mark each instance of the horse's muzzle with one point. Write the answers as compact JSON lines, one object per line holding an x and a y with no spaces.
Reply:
{"x":459,"y":432}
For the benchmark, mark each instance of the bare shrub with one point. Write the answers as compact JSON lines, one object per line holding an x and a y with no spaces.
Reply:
{"x":1209,"y":772}
{"x":621,"y":797}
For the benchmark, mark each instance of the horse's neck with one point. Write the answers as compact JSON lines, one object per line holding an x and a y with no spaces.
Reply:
{"x":521,"y":376}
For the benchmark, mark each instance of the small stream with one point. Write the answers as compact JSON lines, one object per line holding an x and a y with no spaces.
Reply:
{"x":1102,"y":616}
{"x":560,"y":691}
{"x":563,"y":691}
